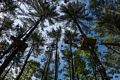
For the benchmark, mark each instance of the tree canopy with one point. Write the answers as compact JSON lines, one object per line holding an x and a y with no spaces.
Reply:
{"x":59,"y":39}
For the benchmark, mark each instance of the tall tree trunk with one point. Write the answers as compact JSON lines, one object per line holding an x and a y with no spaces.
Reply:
{"x":46,"y":72}
{"x":70,"y":70}
{"x":93,"y":53}
{"x":80,"y":29}
{"x":8,"y":60}
{"x":77,"y":77}
{"x":3,"y":78}
{"x":25,"y":63}
{"x":31,"y":31}
{"x":72,"y":62}
{"x":12,"y":55}
{"x":11,"y":46}
{"x":56,"y":61}
{"x":43,"y":74}
{"x":100,"y":66}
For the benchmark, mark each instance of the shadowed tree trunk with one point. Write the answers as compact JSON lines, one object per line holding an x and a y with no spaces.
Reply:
{"x":3,"y":78}
{"x":93,"y":54}
{"x":111,"y":44}
{"x":72,"y":61}
{"x":8,"y":60}
{"x":70,"y":70}
{"x":25,"y":63}
{"x":100,"y":66}
{"x":46,"y":72}
{"x":6,"y":51}
{"x":14,"y":52}
{"x":77,"y":77}
{"x":56,"y":61}
{"x":11,"y":46}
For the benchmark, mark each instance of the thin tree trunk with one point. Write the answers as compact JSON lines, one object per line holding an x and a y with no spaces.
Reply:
{"x":7,"y":61}
{"x":72,"y":62}
{"x":111,"y":44}
{"x":7,"y":71}
{"x":11,"y":46}
{"x":78,"y":77}
{"x":56,"y":61}
{"x":44,"y":75}
{"x":6,"y":51}
{"x":80,"y":29}
{"x":30,"y":32}
{"x":12,"y":55}
{"x":25,"y":63}
{"x":46,"y":72}
{"x":70,"y":70}
{"x":113,"y":50}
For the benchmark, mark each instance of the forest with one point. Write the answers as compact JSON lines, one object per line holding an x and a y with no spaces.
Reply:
{"x":59,"y":39}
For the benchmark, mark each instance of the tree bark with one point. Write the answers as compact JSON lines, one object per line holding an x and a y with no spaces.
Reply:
{"x":25,"y":63}
{"x":72,"y":62}
{"x":111,"y":44}
{"x":77,"y":77}
{"x":97,"y":61}
{"x":30,"y":32}
{"x":3,"y":78}
{"x":56,"y":61}
{"x":7,"y":61}
{"x":11,"y":46}
{"x":70,"y":70}
{"x":46,"y":72}
{"x":93,"y":53}
{"x":80,"y":29}
{"x":12,"y":55}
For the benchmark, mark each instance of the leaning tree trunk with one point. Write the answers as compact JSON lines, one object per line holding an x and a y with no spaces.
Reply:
{"x":56,"y":61}
{"x":25,"y":63}
{"x":3,"y":78}
{"x":14,"y":52}
{"x":93,"y":53}
{"x":111,"y":44}
{"x":11,"y":46}
{"x":6,"y":51}
{"x":8,"y":60}
{"x":100,"y":66}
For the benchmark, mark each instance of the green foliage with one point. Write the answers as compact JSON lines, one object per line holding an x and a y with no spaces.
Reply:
{"x":55,"y":33}
{"x":109,"y":23}
{"x":29,"y":70}
{"x":75,"y":11}
{"x":71,"y":13}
